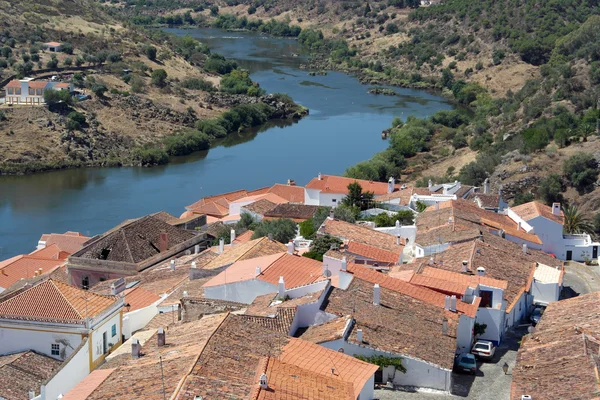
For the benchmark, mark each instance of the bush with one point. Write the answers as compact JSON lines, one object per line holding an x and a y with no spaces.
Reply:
{"x":391,"y":28}
{"x":238,"y":82}
{"x":77,"y":117}
{"x":137,"y":84}
{"x":99,"y":89}
{"x":66,"y":48}
{"x":58,"y":97}
{"x":150,"y":156}
{"x":581,"y":170}
{"x":550,"y":189}
{"x":217,"y":63}
{"x":321,"y":245}
{"x":150,"y":52}
{"x":186,"y":143}
{"x":159,"y":77}
{"x":251,"y":10}
{"x":197,"y":84}
{"x":283,"y":230}
{"x":211,"y":128}
{"x":214,"y":11}
{"x":307,"y":230}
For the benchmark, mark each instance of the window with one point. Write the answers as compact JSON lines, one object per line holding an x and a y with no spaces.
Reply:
{"x":114,"y":330}
{"x":31,"y":91}
{"x":334,"y":200}
{"x":11,"y":91}
{"x":38,"y":92}
{"x":85,"y":283}
{"x":55,"y":349}
{"x":18,"y":91}
{"x":486,"y":298}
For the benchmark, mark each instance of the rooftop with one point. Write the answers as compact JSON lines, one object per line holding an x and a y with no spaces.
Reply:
{"x":485,"y":200}
{"x":244,"y":251}
{"x":218,"y":205}
{"x":339,"y":184}
{"x":326,"y":332}
{"x":296,"y":212}
{"x":374,"y":253}
{"x":292,"y":193}
{"x":244,"y":237}
{"x":71,"y":242}
{"x":134,"y":241}
{"x":546,"y":274}
{"x":418,"y":323}
{"x":25,"y":266}
{"x":535,"y":209}
{"x":559,"y":360}
{"x":260,"y":207}
{"x":359,"y":234}
{"x":54,"y":301}
{"x":23,"y":372}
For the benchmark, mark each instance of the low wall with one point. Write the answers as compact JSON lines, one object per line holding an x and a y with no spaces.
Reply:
{"x":73,"y":370}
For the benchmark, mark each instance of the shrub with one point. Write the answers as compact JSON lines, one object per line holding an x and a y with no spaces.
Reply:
{"x":159,"y":77}
{"x":550,"y":189}
{"x":251,"y":10}
{"x":186,"y":143}
{"x":77,"y":117}
{"x":150,"y":52}
{"x":321,"y":245}
{"x":150,"y":156}
{"x":283,"y":230}
{"x":66,"y":48}
{"x":197,"y":84}
{"x":581,"y":170}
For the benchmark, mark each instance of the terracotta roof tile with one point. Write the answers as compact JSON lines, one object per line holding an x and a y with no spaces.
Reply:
{"x":326,"y":332}
{"x":339,"y":184}
{"x":13,"y":84}
{"x":138,"y":297}
{"x":320,"y":360}
{"x":280,"y":322}
{"x":417,"y":322}
{"x":260,"y":207}
{"x":485,"y":200}
{"x":23,"y":372}
{"x":296,"y":212}
{"x":374,"y":253}
{"x":71,"y":242}
{"x":244,"y":237}
{"x":424,"y":294}
{"x":54,"y":301}
{"x":86,"y":387}
{"x":52,"y":44}
{"x":559,"y":360}
{"x":535,"y":209}
{"x":252,"y":249}
{"x":24,"y":267}
{"x":290,"y":382}
{"x":292,"y":193}
{"x":440,"y":285}
{"x":359,"y":234}
{"x":38,"y":84}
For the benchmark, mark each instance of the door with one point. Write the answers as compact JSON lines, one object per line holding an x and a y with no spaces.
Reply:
{"x":569,"y":255}
{"x":595,"y":252}
{"x":105,"y":342}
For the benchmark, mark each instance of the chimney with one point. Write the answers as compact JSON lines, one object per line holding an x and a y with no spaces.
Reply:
{"x":447,"y":303}
{"x":376,"y":294}
{"x":437,"y":205}
{"x":185,"y":293}
{"x":320,"y":177}
{"x":172,"y":265}
{"x":264,"y":384}
{"x":270,"y":237}
{"x":31,"y":394}
{"x":257,"y":272}
{"x":359,"y":335}
{"x":113,"y":289}
{"x":525,"y":248}
{"x":486,"y":186}
{"x":281,"y":288}
{"x":556,"y":209}
{"x":429,"y":184}
{"x":232,"y":236}
{"x":135,"y":348}
{"x":480,"y":271}
{"x":397,"y":224}
{"x":291,"y":247}
{"x":194,"y":266}
{"x":391,"y":184}
{"x":519,"y":225}
{"x":398,"y":242}
{"x":450,"y":220}
{"x":344,"y":264}
{"x":164,"y":242}
{"x":331,"y":214}
{"x":197,"y":249}
{"x":453,"y":303}
{"x":445,"y":326}
{"x":161,"y":337}
{"x":431,"y":261}
{"x":40,"y":271}
{"x":221,"y":245}
{"x":465,"y":266}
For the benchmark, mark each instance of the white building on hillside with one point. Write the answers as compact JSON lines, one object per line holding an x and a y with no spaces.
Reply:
{"x":28,"y":91}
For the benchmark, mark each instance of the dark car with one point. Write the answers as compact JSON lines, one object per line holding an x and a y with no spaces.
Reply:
{"x":466,"y":363}
{"x":536,"y":315}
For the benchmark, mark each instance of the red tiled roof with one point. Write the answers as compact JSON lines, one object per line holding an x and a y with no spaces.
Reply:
{"x":38,"y":84}
{"x":25,"y":266}
{"x":360,"y":234}
{"x":51,"y":252}
{"x":326,"y":332}
{"x":559,"y":360}
{"x":420,"y":293}
{"x":293,"y":194}
{"x":62,"y":85}
{"x":535,"y":209}
{"x":51,"y":300}
{"x":14,"y":84}
{"x":374,"y":253}
{"x":339,"y":184}
{"x":86,"y":387}
{"x":52,"y":44}
{"x":71,"y":242}
{"x":440,"y":285}
{"x":23,"y":372}
{"x":321,"y":360}
{"x":464,"y":279}
{"x":244,"y":237}
{"x":138,"y":297}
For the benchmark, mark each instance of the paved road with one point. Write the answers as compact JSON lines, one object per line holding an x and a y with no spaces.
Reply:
{"x":490,"y":382}
{"x":580,"y":279}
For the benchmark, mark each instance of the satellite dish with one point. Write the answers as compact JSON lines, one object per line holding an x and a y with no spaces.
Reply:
{"x":327,"y":273}
{"x":341,"y":350}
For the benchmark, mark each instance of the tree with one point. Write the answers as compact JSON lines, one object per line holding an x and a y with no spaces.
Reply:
{"x":53,"y":63}
{"x":66,"y":48}
{"x":159,"y":77}
{"x":57,"y":98}
{"x":421,"y":206}
{"x":356,"y":197}
{"x":214,"y":11}
{"x":320,"y":246}
{"x":246,"y":222}
{"x":367,"y":10}
{"x":576,"y":222}
{"x":307,"y":230}
{"x":99,"y":90}
{"x":522,"y":198}
{"x":150,"y":52}
{"x":283,"y":230}
{"x":581,"y":170}
{"x":550,"y":189}
{"x":251,"y":10}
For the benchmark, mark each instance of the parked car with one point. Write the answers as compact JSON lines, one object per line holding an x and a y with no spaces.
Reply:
{"x":536,"y":315}
{"x":466,"y":363}
{"x":484,"y":349}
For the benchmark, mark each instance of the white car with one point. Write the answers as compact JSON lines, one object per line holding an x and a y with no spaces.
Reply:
{"x":484,"y":349}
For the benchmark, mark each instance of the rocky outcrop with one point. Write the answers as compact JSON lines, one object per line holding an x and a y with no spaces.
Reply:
{"x":283,"y":109}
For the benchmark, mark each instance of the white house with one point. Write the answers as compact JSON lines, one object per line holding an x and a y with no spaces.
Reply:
{"x":28,"y":91}
{"x":547,"y":284}
{"x":54,"y":47}
{"x":547,"y":223}
{"x":330,"y":190}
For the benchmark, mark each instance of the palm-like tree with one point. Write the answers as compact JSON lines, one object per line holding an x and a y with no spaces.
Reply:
{"x":576,"y":221}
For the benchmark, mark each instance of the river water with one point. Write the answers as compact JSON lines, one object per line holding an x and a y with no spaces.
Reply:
{"x":343,"y":128}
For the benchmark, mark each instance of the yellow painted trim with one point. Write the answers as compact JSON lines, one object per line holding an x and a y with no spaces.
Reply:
{"x":91,"y":351}
{"x":40,"y":330}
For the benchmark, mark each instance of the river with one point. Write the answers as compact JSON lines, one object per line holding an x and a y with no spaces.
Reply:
{"x":343,"y":128}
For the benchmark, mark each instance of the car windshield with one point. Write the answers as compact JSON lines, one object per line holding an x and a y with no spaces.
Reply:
{"x":537,"y":312}
{"x":467,"y":360}
{"x":482,"y":346}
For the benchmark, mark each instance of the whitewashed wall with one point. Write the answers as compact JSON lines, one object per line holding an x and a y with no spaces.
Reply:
{"x":544,"y":293}
{"x":136,"y":320}
{"x":494,"y":319}
{"x":306,"y":289}
{"x":241,"y":292}
{"x":76,"y":369}
{"x":19,"y":338}
{"x":464,"y":339}
{"x":106,"y":326}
